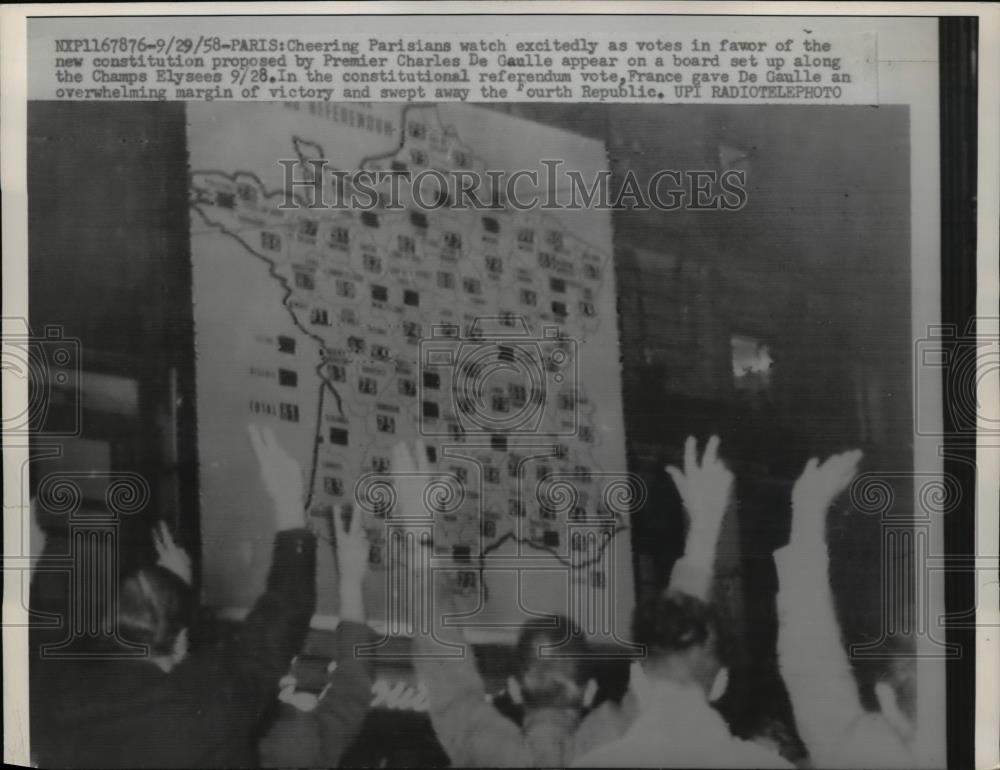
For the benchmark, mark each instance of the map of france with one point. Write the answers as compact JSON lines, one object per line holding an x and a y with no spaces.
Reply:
{"x":460,"y":327}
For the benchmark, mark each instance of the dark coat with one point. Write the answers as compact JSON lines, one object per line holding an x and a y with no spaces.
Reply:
{"x":202,"y":713}
{"x":319,"y":738}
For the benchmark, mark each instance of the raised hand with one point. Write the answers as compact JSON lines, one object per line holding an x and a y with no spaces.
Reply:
{"x":352,"y":564}
{"x":411,"y":473}
{"x":282,"y":477}
{"x":705,"y":489}
{"x":816,"y":489}
{"x":170,"y":555}
{"x":351,"y":547}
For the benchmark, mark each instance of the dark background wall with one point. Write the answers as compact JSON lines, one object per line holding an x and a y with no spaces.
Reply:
{"x":816,"y":266}
{"x":109,"y":266}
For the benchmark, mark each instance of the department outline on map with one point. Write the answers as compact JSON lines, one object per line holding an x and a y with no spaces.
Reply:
{"x":371,"y":288}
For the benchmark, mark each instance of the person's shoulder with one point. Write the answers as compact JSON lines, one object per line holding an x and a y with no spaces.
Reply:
{"x":211,"y":675}
{"x":872,"y":739}
{"x":607,"y":717}
{"x":115,"y":676}
{"x":754,"y":755}
{"x":608,"y":755}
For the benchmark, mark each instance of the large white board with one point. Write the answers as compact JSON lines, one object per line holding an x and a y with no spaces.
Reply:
{"x":320,"y":322}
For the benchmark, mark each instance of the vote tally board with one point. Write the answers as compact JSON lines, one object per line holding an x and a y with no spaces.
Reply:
{"x":492,"y":334}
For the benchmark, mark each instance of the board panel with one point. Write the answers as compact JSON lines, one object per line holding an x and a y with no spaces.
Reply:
{"x":490,"y":333}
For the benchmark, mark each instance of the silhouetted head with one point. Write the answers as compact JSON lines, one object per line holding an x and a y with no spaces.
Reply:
{"x":154,"y":609}
{"x":679,"y":633}
{"x":552,"y":666}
